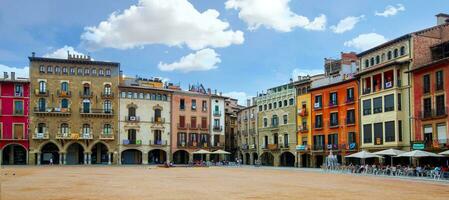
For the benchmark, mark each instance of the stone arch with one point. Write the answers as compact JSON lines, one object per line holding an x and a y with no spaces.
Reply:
{"x":66,"y":146}
{"x":14,"y":154}
{"x":287,"y":159}
{"x":131,"y":156}
{"x":181,"y":157}
{"x":50,"y":141}
{"x":91,"y":146}
{"x":14,"y":143}
{"x":157,"y":156}
{"x":267,"y":159}
{"x":157,"y":106}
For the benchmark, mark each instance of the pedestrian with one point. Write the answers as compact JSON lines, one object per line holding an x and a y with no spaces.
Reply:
{"x":51,"y":161}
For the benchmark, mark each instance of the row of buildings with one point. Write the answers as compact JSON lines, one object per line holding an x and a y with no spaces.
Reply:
{"x":80,"y":111}
{"x":394,"y":95}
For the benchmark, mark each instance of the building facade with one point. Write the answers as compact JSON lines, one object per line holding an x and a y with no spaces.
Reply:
{"x":14,"y":103}
{"x":247,"y":139}
{"x":430,"y":100}
{"x":303,"y":121}
{"x":217,"y":124}
{"x":276,"y":125}
{"x":73,"y":111}
{"x":231,"y":139}
{"x":145,"y":123}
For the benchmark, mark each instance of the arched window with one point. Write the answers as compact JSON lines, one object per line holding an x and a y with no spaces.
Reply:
{"x":86,"y":89}
{"x":402,"y":51}
{"x":389,"y":55}
{"x":107,"y":106}
{"x":372,"y":61}
{"x":64,"y":129}
{"x":285,"y":103}
{"x":64,"y":103}
{"x":280,"y":104}
{"x":86,"y":106}
{"x":107,"y":129}
{"x":107,"y":89}
{"x":382,"y":57}
{"x":377,"y":59}
{"x":366,"y":63}
{"x":42,"y":87}
{"x":265,"y":122}
{"x":42,"y":105}
{"x":157,"y":115}
{"x":64,"y":86}
{"x":395,"y":53}
{"x":292,"y":101}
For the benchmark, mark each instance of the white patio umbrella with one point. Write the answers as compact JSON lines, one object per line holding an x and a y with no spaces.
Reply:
{"x":389,"y":152}
{"x":445,"y":153}
{"x":419,"y":154}
{"x":363,"y":155}
{"x":220,"y":152}
{"x":202,"y":151}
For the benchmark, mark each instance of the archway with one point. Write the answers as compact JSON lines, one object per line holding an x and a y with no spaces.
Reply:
{"x":247,"y":158}
{"x":100,"y":154}
{"x":157,"y":156}
{"x":287,"y":159}
{"x":14,"y":154}
{"x":267,"y":159}
{"x":181,"y":157}
{"x":75,"y":154}
{"x":49,"y":151}
{"x":131,"y":157}
{"x":255,"y":158}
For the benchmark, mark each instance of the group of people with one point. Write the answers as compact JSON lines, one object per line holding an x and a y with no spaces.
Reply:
{"x":400,"y":170}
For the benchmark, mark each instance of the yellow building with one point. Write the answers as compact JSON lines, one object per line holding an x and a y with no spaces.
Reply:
{"x":303,"y":120}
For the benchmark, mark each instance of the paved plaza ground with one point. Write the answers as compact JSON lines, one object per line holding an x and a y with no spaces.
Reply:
{"x":144,"y":182}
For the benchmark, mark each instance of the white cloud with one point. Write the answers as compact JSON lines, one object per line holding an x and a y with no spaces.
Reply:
{"x":304,"y":72}
{"x":20,"y":72}
{"x":240,"y":96}
{"x":346,"y":24}
{"x":62,"y":52}
{"x":366,"y":41}
{"x":391,"y":10}
{"x":275,"y":14}
{"x":168,"y":22}
{"x":202,"y":60}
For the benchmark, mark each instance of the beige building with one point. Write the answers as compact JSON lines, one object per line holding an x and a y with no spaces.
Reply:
{"x":73,"y":110}
{"x":144,"y":123}
{"x":247,"y":139}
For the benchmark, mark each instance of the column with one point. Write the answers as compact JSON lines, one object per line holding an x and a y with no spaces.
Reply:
{"x":299,"y":161}
{"x":85,"y":158}
{"x":38,"y":158}
{"x":64,"y":159}
{"x":207,"y":157}
{"x":276,"y":160}
{"x":89,"y":158}
{"x":60,"y":158}
{"x":169,"y":158}
{"x":251,"y":159}
{"x":109,"y":158}
{"x":145,"y":158}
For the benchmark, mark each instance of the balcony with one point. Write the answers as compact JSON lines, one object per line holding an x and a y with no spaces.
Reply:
{"x":333,"y":104}
{"x":302,"y":112}
{"x":157,"y":120}
{"x":217,"y":113}
{"x":106,"y":136}
{"x":182,"y":126}
{"x":317,"y":106}
{"x":319,"y":147}
{"x":332,"y":147}
{"x":158,"y":143}
{"x":318,"y":126}
{"x":86,"y":95}
{"x":193,"y":126}
{"x":273,"y":147}
{"x":107,"y":95}
{"x":64,"y":94}
{"x":193,"y":144}
{"x":74,"y":136}
{"x":218,"y":128}
{"x":96,"y":113}
{"x":41,"y":93}
{"x":204,"y":127}
{"x":132,"y":118}
{"x":433,"y":114}
{"x":52,"y":111}
{"x":132,"y":142}
{"x":349,"y":100}
{"x":182,"y":144}
{"x":350,"y":122}
{"x":41,"y":136}
{"x":204,"y":145}
{"x":333,"y":124}
{"x":303,"y":129}
{"x":284,"y":146}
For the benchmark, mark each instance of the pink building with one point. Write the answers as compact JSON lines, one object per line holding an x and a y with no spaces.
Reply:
{"x":14,"y":101}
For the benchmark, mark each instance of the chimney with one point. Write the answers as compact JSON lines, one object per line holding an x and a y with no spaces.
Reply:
{"x":248,"y":102}
{"x":5,"y":75}
{"x":33,"y":54}
{"x":442,"y":18}
{"x":13,"y":75}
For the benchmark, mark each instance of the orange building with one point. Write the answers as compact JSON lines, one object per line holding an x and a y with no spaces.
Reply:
{"x":335,"y":111}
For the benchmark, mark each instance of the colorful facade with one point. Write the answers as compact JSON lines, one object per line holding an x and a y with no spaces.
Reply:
{"x":247,"y":139}
{"x":14,"y":103}
{"x":74,"y":111}
{"x":303,"y":120}
{"x":430,"y":100}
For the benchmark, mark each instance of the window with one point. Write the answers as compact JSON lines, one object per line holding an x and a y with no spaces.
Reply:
{"x":86,"y":89}
{"x":389,"y":55}
{"x":367,"y":107}
{"x":275,"y":105}
{"x":64,"y":103}
{"x":349,"y":95}
{"x":64,"y":87}
{"x":291,"y":101}
{"x":395,"y":53}
{"x":260,"y":108}
{"x":274,"y":121}
{"x":107,"y":129}
{"x":389,"y":102}
{"x":182,"y":139}
{"x":107,"y":106}
{"x":265,"y":107}
{"x":94,"y":72}
{"x":332,"y":139}
{"x":132,"y":111}
{"x":64,"y":70}
{"x":86,"y":106}
{"x":285,"y":119}
{"x":377,"y":105}
{"x":351,"y":137}
{"x":18,"y":107}
{"x":57,"y":69}
{"x":285,"y":103}
{"x":280,"y":104}
{"x":193,"y":104}
{"x":334,"y":119}
{"x":285,"y":140}
{"x":86,"y":71}
{"x":72,"y":71}
{"x":64,"y":129}
{"x":389,"y":132}
{"x":318,"y":102}
{"x":318,"y":142}
{"x":367,"y":133}
{"x":18,"y":131}
{"x":86,"y":129}
{"x":427,"y":105}
{"x":350,"y":117}
{"x":400,"y":130}
{"x":107,"y":89}
{"x":101,"y":72}
{"x":318,"y":121}
{"x":79,"y":71}
{"x":439,"y":80}
{"x":41,"y":69}
{"x":402,"y":51}
{"x":132,"y":136}
{"x":399,"y":101}
{"x":378,"y":134}
{"x":265,"y":122}
{"x":440,"y":105}
{"x":18,"y":90}
{"x":441,"y":134}
{"x":49,"y":69}
{"x":372,"y":61}
{"x":108,"y":72}
{"x":269,"y":106}
{"x":333,"y":99}
{"x":426,"y":83}
{"x":377,"y":59}
{"x":41,"y":105}
{"x":42,"y":87}
{"x":41,"y":128}
{"x":182,"y":105}
{"x":366,"y":63}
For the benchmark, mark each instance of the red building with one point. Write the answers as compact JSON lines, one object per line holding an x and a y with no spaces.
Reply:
{"x":430,"y":90}
{"x":14,"y":102}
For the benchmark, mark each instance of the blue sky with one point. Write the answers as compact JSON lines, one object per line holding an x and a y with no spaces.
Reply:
{"x":250,"y":46}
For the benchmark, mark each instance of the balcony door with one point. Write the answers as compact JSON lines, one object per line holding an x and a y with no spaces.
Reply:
{"x":86,"y":106}
{"x":132,"y":136}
